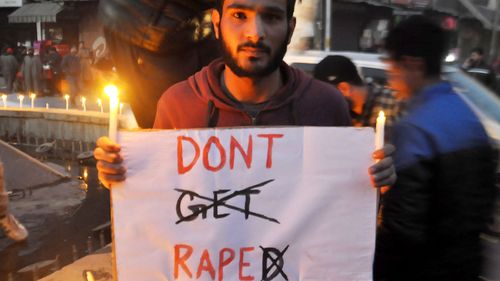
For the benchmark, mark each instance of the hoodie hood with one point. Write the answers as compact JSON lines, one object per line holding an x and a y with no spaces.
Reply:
{"x":206,"y":85}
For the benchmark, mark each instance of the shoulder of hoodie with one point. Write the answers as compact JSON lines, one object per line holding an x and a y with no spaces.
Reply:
{"x":320,"y":91}
{"x":180,"y":92}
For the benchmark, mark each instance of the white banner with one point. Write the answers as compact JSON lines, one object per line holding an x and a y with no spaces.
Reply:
{"x":246,"y":204}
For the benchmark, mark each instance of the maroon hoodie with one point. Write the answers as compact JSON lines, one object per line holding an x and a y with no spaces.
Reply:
{"x":200,"y":102}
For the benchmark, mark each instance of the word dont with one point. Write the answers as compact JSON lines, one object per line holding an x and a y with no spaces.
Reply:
{"x":214,"y":144}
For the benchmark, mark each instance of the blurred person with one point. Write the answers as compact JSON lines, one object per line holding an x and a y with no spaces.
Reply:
{"x":430,"y":220}
{"x":365,"y":100}
{"x":86,"y":60}
{"x":53,"y":60}
{"x":152,"y":53}
{"x":11,"y":227}
{"x":32,"y":72}
{"x":10,"y":67}
{"x":70,"y":66}
{"x":476,"y":65}
{"x":249,"y":86}
{"x":341,"y":72}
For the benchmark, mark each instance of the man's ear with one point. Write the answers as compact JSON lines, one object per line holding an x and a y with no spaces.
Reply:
{"x":216,"y":22}
{"x":344,"y":88}
{"x":291,"y":27}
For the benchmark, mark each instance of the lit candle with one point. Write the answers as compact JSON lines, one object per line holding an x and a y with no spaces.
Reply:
{"x":112,"y":92}
{"x":4,"y":98}
{"x":99,"y":102}
{"x":90,"y":276}
{"x":85,"y":175}
{"x":66,"y":97}
{"x":379,"y":131}
{"x":46,"y":105}
{"x":21,"y":98}
{"x":121,"y":108}
{"x":84,"y":100}
{"x":32,"y":97}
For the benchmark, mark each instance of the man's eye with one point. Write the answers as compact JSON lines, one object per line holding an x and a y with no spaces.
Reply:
{"x":239,"y":15}
{"x":271,"y":17}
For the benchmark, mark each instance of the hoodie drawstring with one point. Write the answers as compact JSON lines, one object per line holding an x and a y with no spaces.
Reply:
{"x":212,"y":115}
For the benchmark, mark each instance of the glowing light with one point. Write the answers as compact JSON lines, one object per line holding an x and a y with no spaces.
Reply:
{"x":66,"y":97}
{"x":84,"y":100}
{"x":32,"y":97}
{"x":21,"y":98}
{"x":379,"y":131}
{"x":4,"y":98}
{"x":99,"y":102}
{"x":114,"y":102}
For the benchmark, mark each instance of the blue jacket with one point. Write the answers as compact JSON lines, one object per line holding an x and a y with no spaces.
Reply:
{"x":430,"y":220}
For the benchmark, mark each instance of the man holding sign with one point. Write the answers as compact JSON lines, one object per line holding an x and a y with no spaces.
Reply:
{"x":250,"y":86}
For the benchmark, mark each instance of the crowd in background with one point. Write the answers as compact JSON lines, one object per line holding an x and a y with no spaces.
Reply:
{"x":46,"y":70}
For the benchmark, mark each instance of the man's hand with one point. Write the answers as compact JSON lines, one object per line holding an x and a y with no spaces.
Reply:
{"x":109,"y":162}
{"x":383,"y":173}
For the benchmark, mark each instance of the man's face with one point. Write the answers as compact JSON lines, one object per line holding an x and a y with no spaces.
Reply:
{"x":475,"y":56}
{"x":399,"y":78}
{"x":254,"y":35}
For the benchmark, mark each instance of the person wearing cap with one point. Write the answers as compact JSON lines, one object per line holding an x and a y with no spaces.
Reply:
{"x":430,"y":220}
{"x":365,"y":99}
{"x":343,"y":74}
{"x":9,"y":68}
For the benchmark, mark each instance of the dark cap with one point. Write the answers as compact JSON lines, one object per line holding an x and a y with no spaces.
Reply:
{"x":337,"y":69}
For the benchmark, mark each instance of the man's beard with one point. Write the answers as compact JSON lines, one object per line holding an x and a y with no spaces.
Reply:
{"x":271,"y":66}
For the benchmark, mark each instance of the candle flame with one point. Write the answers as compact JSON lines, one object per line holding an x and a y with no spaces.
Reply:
{"x":32,"y":95}
{"x":111,"y":91}
{"x":99,"y":102}
{"x":381,"y":114}
{"x":90,"y":276}
{"x":66,"y":97}
{"x":21,"y":97}
{"x":85,"y":174}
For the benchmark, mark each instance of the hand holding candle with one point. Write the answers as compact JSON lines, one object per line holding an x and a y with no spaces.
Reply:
{"x":379,"y":131}
{"x":112,"y":92}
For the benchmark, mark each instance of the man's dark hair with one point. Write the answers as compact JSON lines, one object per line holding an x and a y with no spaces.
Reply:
{"x":290,"y":7}
{"x":337,"y":69}
{"x":478,"y":50}
{"x":418,"y":37}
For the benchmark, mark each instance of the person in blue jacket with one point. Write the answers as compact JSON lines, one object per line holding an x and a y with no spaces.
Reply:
{"x":431,"y":218}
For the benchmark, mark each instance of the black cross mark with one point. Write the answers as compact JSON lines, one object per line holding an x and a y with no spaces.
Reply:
{"x":276,"y":262}
{"x":216,"y":202}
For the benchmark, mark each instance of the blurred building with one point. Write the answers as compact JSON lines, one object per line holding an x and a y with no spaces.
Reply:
{"x":358,"y":25}
{"x":54,"y":22}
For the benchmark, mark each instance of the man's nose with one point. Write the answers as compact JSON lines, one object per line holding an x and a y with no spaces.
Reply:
{"x":255,"y":30}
